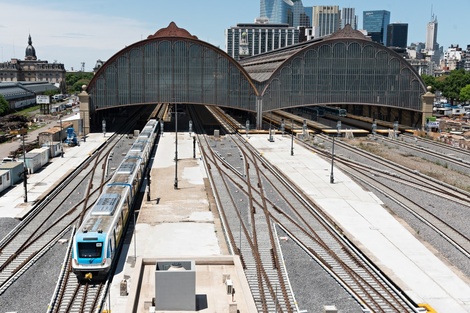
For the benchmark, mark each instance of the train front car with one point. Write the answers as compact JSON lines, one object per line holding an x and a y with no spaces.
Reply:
{"x":101,"y":233}
{"x":94,"y":245}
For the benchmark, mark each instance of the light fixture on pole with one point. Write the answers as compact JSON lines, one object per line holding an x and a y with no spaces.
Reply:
{"x":176,"y":147}
{"x":25,"y":169}
{"x":292,"y":138}
{"x":60,"y":137}
{"x":135,"y":236}
{"x":103,"y":124}
{"x":338,"y":130}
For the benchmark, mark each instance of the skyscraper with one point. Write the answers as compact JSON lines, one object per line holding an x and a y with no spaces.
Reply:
{"x":397,"y":35}
{"x":348,"y":16}
{"x":431,"y":34}
{"x":325,"y":20}
{"x":375,"y":22}
{"x":289,"y":12}
{"x":432,"y":46}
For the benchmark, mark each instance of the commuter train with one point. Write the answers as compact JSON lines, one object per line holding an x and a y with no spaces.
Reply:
{"x":97,"y":239}
{"x":334,"y":111}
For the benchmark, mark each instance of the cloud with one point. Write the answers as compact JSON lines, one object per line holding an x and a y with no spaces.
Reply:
{"x":66,"y":35}
{"x":73,"y":35}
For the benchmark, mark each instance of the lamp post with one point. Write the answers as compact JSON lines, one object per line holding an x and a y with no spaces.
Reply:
{"x":135,"y":236}
{"x":176,"y":147}
{"x":292,"y":138}
{"x":247,"y":125}
{"x":338,"y":129}
{"x":332,"y":178}
{"x":103,"y":124}
{"x":25,"y":173}
{"x":60,"y":137}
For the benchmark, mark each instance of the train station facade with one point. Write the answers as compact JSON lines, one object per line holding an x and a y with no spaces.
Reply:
{"x":345,"y":69}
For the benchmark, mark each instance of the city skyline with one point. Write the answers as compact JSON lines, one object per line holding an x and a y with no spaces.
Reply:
{"x":71,"y":33}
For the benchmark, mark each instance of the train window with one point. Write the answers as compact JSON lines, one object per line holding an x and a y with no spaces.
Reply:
{"x":90,"y":249}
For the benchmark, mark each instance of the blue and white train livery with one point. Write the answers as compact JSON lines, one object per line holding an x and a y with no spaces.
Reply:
{"x":96,"y":241}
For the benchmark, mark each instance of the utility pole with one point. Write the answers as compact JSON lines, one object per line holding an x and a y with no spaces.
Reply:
{"x":60,"y":137}
{"x":176,"y":147}
{"x":292,"y":138}
{"x":25,"y":172}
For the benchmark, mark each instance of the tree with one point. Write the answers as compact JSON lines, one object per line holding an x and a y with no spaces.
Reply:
{"x":429,"y":81}
{"x":465,"y":93}
{"x":75,"y":80}
{"x":453,"y":83}
{"x":4,"y":107}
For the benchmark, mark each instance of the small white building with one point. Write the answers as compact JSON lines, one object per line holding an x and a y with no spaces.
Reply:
{"x":36,"y":159}
{"x":5,"y":180}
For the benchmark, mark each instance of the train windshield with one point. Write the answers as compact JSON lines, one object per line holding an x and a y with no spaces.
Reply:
{"x":90,"y":249}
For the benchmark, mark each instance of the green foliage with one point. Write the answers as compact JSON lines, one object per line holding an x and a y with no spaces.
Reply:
{"x":450,"y":85}
{"x":465,"y":93}
{"x":453,"y":83}
{"x":429,"y":81}
{"x":75,"y":80}
{"x":51,"y":92}
{"x":77,"y":87}
{"x":4,"y":107}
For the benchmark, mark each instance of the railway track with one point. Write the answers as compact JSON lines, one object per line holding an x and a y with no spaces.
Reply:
{"x":374,"y":178}
{"x":56,"y":213}
{"x":51,"y":219}
{"x":73,"y":295}
{"x":405,"y":174}
{"x":432,"y":144}
{"x":255,"y":202}
{"x":460,"y":164}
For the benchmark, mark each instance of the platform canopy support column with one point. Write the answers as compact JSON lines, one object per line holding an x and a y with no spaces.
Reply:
{"x":428,"y":102}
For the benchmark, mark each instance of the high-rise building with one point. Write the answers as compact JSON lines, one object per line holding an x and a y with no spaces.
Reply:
{"x":433,"y":51}
{"x":431,"y":34}
{"x":289,"y":12}
{"x":348,"y":16}
{"x":375,"y":22}
{"x":250,"y":39}
{"x":300,"y":17}
{"x":325,"y":20}
{"x":397,"y":35}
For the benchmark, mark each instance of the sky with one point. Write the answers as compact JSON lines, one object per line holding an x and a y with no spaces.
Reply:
{"x":72,"y":32}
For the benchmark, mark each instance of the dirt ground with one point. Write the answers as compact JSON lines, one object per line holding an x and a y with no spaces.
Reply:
{"x":432,"y":169}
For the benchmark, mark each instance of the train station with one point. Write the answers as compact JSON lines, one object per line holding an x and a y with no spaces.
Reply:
{"x":178,"y":232}
{"x":345,"y":70}
{"x":182,"y":226}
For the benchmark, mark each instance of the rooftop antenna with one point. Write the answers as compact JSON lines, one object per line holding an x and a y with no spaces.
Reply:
{"x":83,"y":66}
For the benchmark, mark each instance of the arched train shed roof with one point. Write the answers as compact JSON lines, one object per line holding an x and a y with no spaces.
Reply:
{"x":174,"y":66}
{"x":168,"y":67}
{"x":344,"y":68}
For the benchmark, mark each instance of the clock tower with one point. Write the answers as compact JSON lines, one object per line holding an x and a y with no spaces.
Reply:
{"x":243,"y":49}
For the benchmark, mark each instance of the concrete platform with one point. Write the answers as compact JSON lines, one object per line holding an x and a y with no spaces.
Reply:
{"x":421,"y":274}
{"x":179,"y":224}
{"x":12,"y":202}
